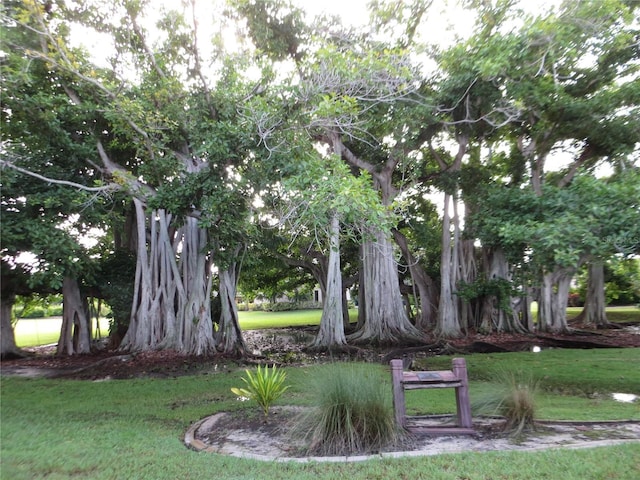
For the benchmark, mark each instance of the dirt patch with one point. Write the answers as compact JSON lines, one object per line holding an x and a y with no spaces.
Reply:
{"x":287,"y":346}
{"x":253,"y":437}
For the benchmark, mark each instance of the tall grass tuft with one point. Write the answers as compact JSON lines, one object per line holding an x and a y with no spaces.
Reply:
{"x":514,"y":398}
{"x":352,"y":412}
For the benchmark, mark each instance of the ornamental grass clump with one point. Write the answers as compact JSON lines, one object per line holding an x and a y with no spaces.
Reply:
{"x":264,"y":386}
{"x":514,"y":398}
{"x":352,"y":412}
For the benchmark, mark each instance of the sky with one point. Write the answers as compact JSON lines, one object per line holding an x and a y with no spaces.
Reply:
{"x":444,"y":22}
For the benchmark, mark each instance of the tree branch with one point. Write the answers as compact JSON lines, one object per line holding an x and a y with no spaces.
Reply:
{"x":112,"y":187}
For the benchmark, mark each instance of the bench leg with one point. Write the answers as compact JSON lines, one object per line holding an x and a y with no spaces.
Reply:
{"x":463,"y":403}
{"x":398,"y":393}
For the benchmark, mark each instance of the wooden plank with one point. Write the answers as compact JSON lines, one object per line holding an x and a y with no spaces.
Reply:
{"x":440,"y":430}
{"x":426,"y":377}
{"x":422,"y":386}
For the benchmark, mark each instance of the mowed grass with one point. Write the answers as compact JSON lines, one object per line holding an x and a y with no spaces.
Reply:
{"x":573,"y":384}
{"x":31,"y":332}
{"x":43,"y":331}
{"x":65,"y":429}
{"x":296,"y":318}
{"x":624,"y":314}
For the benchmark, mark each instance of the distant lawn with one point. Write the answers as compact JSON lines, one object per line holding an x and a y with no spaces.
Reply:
{"x":295,"y":318}
{"x":31,"y":332}
{"x":625,"y":314}
{"x":258,"y":320}
{"x":44,"y":331}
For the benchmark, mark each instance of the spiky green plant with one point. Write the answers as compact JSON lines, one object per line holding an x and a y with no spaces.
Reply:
{"x":352,"y":411}
{"x":264,"y":386}
{"x":514,"y":398}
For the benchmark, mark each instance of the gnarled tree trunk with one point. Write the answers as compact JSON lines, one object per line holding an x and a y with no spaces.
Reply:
{"x":171,"y":303}
{"x":229,"y":335}
{"x":554,"y":296}
{"x":595,"y":304}
{"x":8,"y":347}
{"x":385,"y":319}
{"x":494,"y":316}
{"x":75,"y":334}
{"x":448,"y":313}
{"x":331,"y":333}
{"x":426,"y":290}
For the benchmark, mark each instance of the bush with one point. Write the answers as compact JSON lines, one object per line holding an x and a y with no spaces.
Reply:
{"x":39,"y":311}
{"x":514,"y":399}
{"x":291,"y":306}
{"x":353,"y":412}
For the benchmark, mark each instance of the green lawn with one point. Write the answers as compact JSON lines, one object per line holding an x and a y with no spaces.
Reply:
{"x":67,"y":429}
{"x":629,"y":313}
{"x":44,"y":331}
{"x":257,"y":320}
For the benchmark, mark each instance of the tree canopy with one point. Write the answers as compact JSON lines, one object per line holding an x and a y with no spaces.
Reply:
{"x":185,"y":149}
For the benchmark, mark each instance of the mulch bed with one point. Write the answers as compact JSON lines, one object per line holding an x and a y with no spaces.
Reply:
{"x":167,"y":363}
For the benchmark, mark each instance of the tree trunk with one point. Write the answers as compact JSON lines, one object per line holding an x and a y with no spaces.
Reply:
{"x":385,"y":319}
{"x":448,"y":314}
{"x":171,"y":302}
{"x":8,"y":347}
{"x":426,"y":290}
{"x":494,"y":316}
{"x":331,"y":333}
{"x":465,"y":273}
{"x":594,"y":312}
{"x":193,"y":321}
{"x":552,"y":304}
{"x":230,"y":340}
{"x":361,"y":291}
{"x":75,"y":334}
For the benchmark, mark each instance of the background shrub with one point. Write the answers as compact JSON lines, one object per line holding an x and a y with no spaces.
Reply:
{"x":290,"y":306}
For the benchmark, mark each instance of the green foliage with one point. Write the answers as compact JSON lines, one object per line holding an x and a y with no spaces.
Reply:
{"x":564,"y":226}
{"x":622,"y":281}
{"x":117,"y":272}
{"x":291,"y":306}
{"x":264,"y":386}
{"x":37,"y":306}
{"x":326,"y":187}
{"x":352,"y":411}
{"x":276,"y":27}
{"x":514,"y":398}
{"x":499,"y":288}
{"x":39,"y":311}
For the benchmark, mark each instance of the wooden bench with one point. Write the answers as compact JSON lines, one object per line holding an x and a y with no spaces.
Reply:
{"x":454,"y":378}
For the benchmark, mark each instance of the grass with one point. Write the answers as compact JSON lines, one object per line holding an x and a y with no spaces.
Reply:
{"x":65,"y":429}
{"x":43,"y":331}
{"x":585,"y":374}
{"x":296,"y":318}
{"x":30,"y":332}
{"x":514,"y":398}
{"x":351,"y":411}
{"x":625,"y":314}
